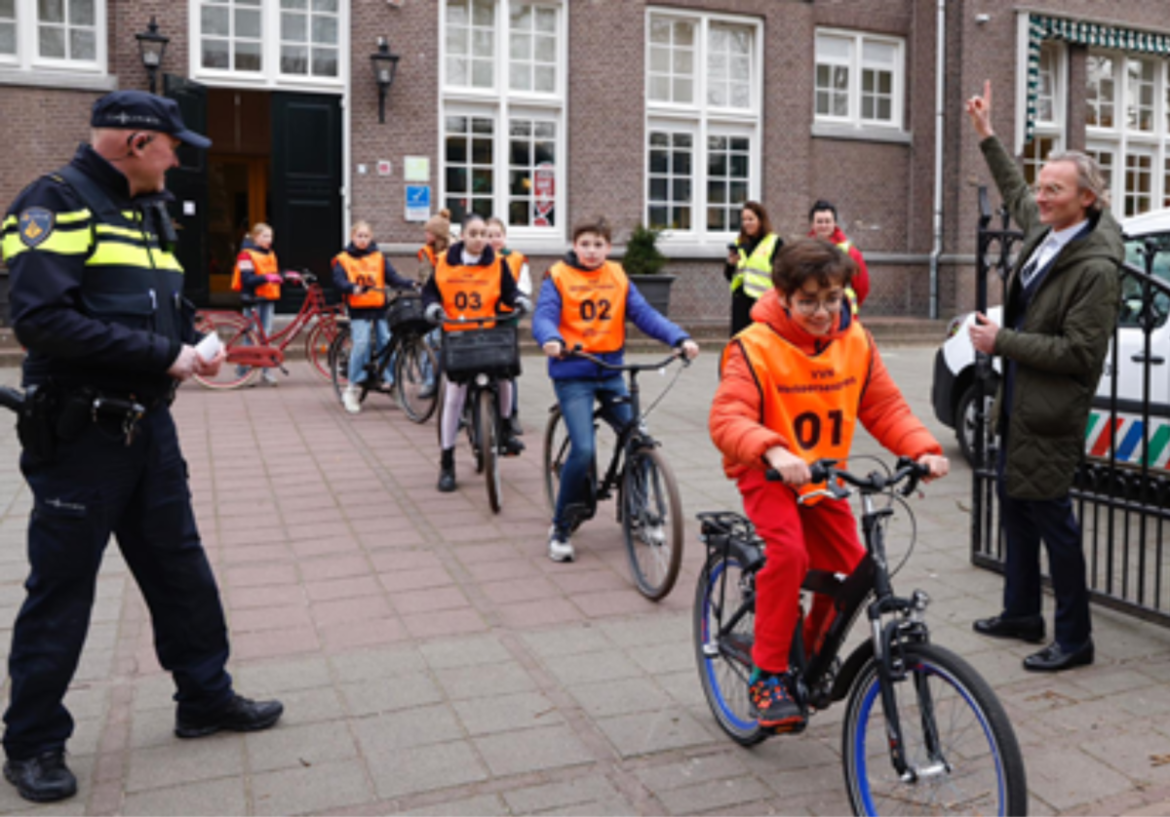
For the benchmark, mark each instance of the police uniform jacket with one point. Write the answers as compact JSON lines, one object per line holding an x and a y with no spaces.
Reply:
{"x":95,"y":296}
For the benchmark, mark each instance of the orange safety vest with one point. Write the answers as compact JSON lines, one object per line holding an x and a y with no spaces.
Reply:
{"x":515,"y":262}
{"x":593,"y":306}
{"x":369,"y":271}
{"x":812,"y":401}
{"x":263,"y":263}
{"x":469,"y":292}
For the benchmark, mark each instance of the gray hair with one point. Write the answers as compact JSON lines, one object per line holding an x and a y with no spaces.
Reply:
{"x":1089,"y":176}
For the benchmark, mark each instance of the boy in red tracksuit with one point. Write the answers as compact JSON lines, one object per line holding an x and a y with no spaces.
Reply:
{"x":794,"y":385}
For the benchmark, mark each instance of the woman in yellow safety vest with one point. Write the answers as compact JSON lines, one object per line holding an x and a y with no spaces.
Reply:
{"x":749,"y":263}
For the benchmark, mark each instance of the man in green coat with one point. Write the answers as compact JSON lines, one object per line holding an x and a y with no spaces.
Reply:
{"x":1062,"y":304}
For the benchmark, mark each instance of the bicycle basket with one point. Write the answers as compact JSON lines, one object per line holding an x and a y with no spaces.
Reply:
{"x":494,"y":352}
{"x":406,"y":312}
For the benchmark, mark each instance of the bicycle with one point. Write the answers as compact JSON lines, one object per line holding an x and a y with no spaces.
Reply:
{"x":481,"y":358}
{"x":409,"y":355}
{"x":922,"y":730}
{"x":649,"y":508}
{"x":250,"y":348}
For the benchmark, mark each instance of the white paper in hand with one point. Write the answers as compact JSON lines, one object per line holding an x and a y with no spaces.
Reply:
{"x":209,"y":347}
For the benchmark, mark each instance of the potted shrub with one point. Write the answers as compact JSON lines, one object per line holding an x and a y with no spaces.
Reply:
{"x":643,"y":263}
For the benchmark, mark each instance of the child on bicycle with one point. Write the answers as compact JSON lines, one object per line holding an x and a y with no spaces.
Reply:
{"x":794,"y":385}
{"x":257,"y":278}
{"x":518,"y":266}
{"x":470,"y":281}
{"x":361,"y":274}
{"x":438,"y":238}
{"x":584,"y":302}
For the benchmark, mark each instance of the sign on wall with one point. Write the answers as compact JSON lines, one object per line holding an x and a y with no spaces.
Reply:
{"x":418,"y":202}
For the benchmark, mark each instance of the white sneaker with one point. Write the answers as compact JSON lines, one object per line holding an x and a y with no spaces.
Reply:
{"x":349,"y":399}
{"x":559,"y":549}
{"x":269,"y":378}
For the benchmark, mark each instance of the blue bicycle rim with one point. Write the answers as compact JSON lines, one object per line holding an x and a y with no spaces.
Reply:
{"x":709,"y":667}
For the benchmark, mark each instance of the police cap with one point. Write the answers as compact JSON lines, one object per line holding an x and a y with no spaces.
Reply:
{"x":138,"y":110}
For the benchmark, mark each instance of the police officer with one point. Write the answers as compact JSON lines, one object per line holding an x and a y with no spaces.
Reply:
{"x":96,"y":297}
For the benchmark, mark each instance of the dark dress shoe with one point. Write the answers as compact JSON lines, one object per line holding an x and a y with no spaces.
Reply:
{"x":1055,"y":658}
{"x":1025,"y":628}
{"x":240,"y":715}
{"x":42,"y":779}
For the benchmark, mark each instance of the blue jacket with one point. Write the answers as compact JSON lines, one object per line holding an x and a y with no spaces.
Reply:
{"x":546,"y":326}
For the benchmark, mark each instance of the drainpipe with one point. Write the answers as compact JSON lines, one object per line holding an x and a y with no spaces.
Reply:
{"x":939,"y":102}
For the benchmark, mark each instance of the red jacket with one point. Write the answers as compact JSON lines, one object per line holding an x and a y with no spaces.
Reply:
{"x":736,"y":412}
{"x":860,"y":282}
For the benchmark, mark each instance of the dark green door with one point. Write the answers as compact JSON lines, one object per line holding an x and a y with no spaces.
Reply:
{"x":306,"y":185}
{"x":188,"y":183}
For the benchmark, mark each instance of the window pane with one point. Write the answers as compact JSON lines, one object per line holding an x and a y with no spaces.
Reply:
{"x":546,"y":49}
{"x":52,"y":42}
{"x":81,"y":13}
{"x":215,"y":21}
{"x":716,"y":218}
{"x":482,"y":13}
{"x":481,"y":74}
{"x":683,"y":90}
{"x":481,"y":151}
{"x":456,"y":179}
{"x":660,"y":89}
{"x":521,"y":77}
{"x":658,"y":189}
{"x":546,"y":20}
{"x":215,"y":54}
{"x":294,"y":28}
{"x":247,"y":56}
{"x":8,"y":9}
{"x":681,"y":190}
{"x":457,"y":72}
{"x":659,"y":161}
{"x":878,"y":53}
{"x":522,"y":18}
{"x":248,"y":24}
{"x":657,"y":217}
{"x":681,"y":163}
{"x":481,"y":180}
{"x":329,"y":6}
{"x":325,"y":62}
{"x":518,"y":212}
{"x":660,"y":30}
{"x":717,"y":162}
{"x":294,"y":59}
{"x":7,"y":38}
{"x":325,"y":30}
{"x":520,"y":47}
{"x":51,"y":11}
{"x":82,"y":44}
{"x":834,"y":48}
{"x":480,"y":125}
{"x":482,"y":43}
{"x":546,"y":79}
{"x":301,"y":5}
{"x":457,"y":149}
{"x":684,"y":33}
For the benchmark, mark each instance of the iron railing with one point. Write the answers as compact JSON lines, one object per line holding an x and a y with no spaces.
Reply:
{"x":1121,"y":491}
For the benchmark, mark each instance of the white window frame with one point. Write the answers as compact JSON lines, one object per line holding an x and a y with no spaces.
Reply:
{"x":500,"y":103}
{"x":704,"y":121}
{"x":269,"y":75}
{"x":853,"y":120}
{"x":28,"y":59}
{"x":1123,"y":141}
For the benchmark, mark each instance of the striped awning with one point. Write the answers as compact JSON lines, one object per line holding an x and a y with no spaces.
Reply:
{"x":1043,"y":27}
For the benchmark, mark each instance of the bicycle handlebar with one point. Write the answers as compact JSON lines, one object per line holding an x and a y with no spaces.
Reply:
{"x":826,"y":471}
{"x":442,"y":317}
{"x":675,"y":354}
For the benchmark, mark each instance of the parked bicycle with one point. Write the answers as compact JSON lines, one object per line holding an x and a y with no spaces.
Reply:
{"x":410,"y":357}
{"x":482,"y":358}
{"x":250,"y":349}
{"x":649,"y":508}
{"x":923,"y":732}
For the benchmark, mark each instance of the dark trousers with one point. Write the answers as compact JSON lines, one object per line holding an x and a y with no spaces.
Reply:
{"x":1025,"y":523}
{"x":741,"y":311}
{"x":94,"y":486}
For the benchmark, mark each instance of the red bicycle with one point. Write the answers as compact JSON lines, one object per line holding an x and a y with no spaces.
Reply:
{"x":250,"y":349}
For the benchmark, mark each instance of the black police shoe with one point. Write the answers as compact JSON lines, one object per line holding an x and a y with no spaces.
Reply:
{"x":1025,"y":628}
{"x":42,"y":779}
{"x":240,"y":715}
{"x":1055,"y":658}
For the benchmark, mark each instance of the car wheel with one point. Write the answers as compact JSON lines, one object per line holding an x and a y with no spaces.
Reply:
{"x":965,"y":420}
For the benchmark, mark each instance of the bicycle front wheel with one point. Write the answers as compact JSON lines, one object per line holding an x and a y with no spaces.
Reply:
{"x":235,"y":332}
{"x":338,"y":357}
{"x":318,"y":343}
{"x":958,"y":742}
{"x":487,"y":435}
{"x":652,"y":522}
{"x":725,"y":658}
{"x":416,"y":373}
{"x":556,"y":451}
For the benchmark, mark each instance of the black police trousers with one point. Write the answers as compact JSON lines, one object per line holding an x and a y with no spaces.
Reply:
{"x":96,"y":485}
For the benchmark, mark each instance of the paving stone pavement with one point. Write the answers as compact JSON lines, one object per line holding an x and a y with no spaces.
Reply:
{"x":432,"y":660}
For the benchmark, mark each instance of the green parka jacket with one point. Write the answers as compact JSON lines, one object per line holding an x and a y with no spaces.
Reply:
{"x":1060,"y":348}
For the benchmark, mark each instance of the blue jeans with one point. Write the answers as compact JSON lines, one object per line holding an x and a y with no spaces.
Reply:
{"x":434,"y":340}
{"x":359,"y":353}
{"x":576,"y":399}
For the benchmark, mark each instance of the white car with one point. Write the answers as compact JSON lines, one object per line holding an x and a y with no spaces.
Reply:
{"x":953,"y":392}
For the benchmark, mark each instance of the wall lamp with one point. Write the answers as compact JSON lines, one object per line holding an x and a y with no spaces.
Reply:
{"x":151,"y":47}
{"x":385,"y":67}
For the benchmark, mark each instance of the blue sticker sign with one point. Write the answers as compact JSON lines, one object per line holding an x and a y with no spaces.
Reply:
{"x":36,"y":225}
{"x":418,"y":202}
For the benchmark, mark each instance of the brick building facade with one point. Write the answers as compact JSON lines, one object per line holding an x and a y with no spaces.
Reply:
{"x":547,"y":111}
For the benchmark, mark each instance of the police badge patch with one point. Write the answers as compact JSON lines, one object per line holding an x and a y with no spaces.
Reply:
{"x":36,"y":225}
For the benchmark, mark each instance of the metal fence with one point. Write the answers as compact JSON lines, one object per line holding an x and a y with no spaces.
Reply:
{"x":1121,"y":492}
